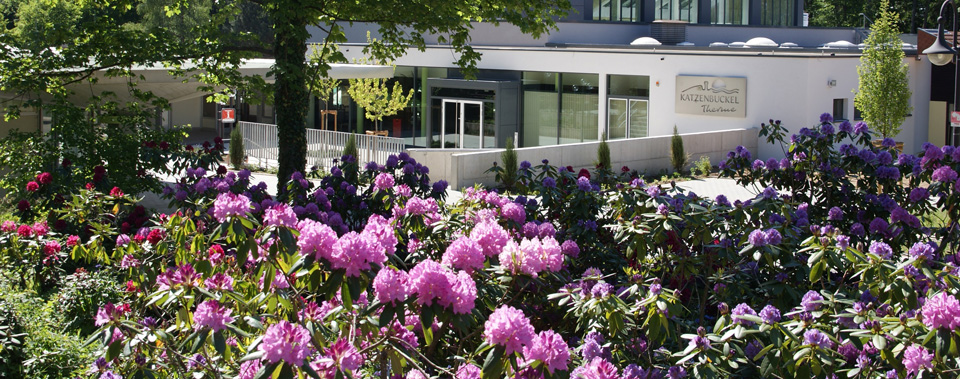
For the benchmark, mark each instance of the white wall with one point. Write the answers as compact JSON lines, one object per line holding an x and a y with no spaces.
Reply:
{"x":464,"y":168}
{"x":792,"y":88}
{"x":188,"y":112}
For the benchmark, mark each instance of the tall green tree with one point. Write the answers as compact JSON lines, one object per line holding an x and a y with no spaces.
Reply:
{"x":883,"y":94}
{"x":177,"y":16}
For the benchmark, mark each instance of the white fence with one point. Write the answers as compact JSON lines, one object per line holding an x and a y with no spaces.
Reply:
{"x":260,"y":144}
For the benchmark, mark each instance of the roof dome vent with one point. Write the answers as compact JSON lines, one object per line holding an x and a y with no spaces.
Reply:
{"x":761,"y":42}
{"x":645,"y":41}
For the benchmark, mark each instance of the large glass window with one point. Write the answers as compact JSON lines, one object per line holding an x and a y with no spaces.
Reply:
{"x":683,"y":10}
{"x":616,"y":10}
{"x":729,"y":12}
{"x":778,"y":12}
{"x":579,"y":108}
{"x":540,"y":101}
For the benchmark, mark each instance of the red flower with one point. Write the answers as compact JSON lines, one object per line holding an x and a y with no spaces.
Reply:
{"x":99,"y":169}
{"x":97,"y":177}
{"x":60,"y":224}
{"x":23,"y":205}
{"x":89,"y":186}
{"x":625,"y":169}
{"x":24,"y":231}
{"x":188,"y":148}
{"x":222,"y":170}
{"x":45,"y":178}
{"x":155,"y":236}
{"x":116,"y":192}
{"x":33,"y":186}
{"x":164,"y":145}
{"x":132,"y":287}
{"x":73,"y":241}
{"x":584,"y":173}
{"x":66,"y":163}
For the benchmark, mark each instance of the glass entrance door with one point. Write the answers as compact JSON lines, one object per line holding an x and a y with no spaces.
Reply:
{"x":463,"y":124}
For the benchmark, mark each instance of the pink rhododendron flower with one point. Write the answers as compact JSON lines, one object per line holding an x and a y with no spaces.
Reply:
{"x":514,"y":211}
{"x":598,"y":368}
{"x":24,"y":231}
{"x":215,"y":254}
{"x":390,"y":285}
{"x":463,"y":293}
{"x":8,"y":226}
{"x":287,"y":342}
{"x":213,"y":315}
{"x":45,"y":178}
{"x":249,"y":369}
{"x":418,"y":207}
{"x":428,"y":280}
{"x":549,"y":348}
{"x":316,"y":239}
{"x":941,"y":311}
{"x":468,"y":371}
{"x":128,"y":261}
{"x":355,"y":252}
{"x":40,"y":229}
{"x":464,"y":254}
{"x":106,"y":314}
{"x":280,"y":214}
{"x":230,"y":205}
{"x":383,"y":182}
{"x":491,"y":237}
{"x":33,"y":186}
{"x":73,"y":241}
{"x":415,"y":374}
{"x":380,"y":229}
{"x":916,"y":358}
{"x":51,"y":247}
{"x":509,"y":327}
{"x":345,"y":355}
{"x":219,"y":282}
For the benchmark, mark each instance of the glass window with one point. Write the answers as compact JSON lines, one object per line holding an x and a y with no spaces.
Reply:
{"x":540,"y":101}
{"x":683,"y":10}
{"x":729,"y":12}
{"x":628,"y":85}
{"x":839,"y":109}
{"x":579,"y":108}
{"x":777,"y":12}
{"x":616,"y":10}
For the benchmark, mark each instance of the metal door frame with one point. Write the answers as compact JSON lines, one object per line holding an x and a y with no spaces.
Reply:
{"x":461,"y":109}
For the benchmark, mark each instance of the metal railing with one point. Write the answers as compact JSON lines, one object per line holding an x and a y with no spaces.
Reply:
{"x":260,"y":145}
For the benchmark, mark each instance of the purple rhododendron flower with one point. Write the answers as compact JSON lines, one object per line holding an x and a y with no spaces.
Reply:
{"x":740,"y":310}
{"x":514,"y":211}
{"x":770,"y":314}
{"x":811,"y":301}
{"x":944,"y":174}
{"x":922,"y":251}
{"x":229,"y":204}
{"x":818,"y":338}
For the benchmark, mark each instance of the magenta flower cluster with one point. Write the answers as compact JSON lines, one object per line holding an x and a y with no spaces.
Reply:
{"x":286,"y":342}
{"x":941,"y":311}
{"x":211,"y":314}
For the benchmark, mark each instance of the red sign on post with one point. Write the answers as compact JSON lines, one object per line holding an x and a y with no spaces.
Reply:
{"x":228,"y":115}
{"x":955,"y":118}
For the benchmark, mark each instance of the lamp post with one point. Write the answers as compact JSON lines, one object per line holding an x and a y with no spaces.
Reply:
{"x":941,"y":53}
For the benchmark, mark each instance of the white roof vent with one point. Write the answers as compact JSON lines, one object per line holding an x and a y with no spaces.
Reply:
{"x":718,"y":44}
{"x":686,"y":44}
{"x":841,"y":45}
{"x":645,"y":41}
{"x":789,"y":45}
{"x":761,"y":42}
{"x":737,"y":44}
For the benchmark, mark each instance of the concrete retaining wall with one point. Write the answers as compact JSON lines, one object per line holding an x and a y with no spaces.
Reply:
{"x":463,"y":168}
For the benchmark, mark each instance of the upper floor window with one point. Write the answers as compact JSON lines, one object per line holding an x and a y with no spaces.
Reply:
{"x":729,"y":12}
{"x":778,"y":12}
{"x":682,"y":10}
{"x":616,"y":10}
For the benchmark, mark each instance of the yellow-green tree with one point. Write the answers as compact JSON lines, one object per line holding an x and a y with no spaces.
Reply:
{"x":378,"y":99}
{"x":883,"y":94}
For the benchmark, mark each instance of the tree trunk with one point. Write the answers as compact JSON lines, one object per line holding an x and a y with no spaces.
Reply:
{"x":291,"y":97}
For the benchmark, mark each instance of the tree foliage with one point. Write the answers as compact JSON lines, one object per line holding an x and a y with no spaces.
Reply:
{"x":378,"y":99}
{"x":678,"y":157}
{"x":846,"y":13}
{"x":884,"y":93}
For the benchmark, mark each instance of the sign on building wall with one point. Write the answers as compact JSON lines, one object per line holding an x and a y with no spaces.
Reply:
{"x":712,"y":96}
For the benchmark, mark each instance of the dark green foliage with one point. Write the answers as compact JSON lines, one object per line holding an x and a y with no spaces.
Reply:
{"x":351,"y":147}
{"x":678,"y":158}
{"x":236,"y":148}
{"x":603,"y":154}
{"x":509,"y":159}
{"x":80,"y":295}
{"x":702,"y":166}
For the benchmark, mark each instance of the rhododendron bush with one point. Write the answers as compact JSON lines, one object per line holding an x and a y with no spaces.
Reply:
{"x":844,"y":265}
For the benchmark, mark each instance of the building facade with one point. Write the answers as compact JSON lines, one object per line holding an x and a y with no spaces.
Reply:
{"x":632,"y":68}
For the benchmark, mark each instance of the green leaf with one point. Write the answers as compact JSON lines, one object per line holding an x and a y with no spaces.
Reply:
{"x":493,"y":365}
{"x":219,"y":343}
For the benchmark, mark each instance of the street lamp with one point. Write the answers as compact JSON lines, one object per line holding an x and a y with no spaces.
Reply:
{"x":941,"y":53}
